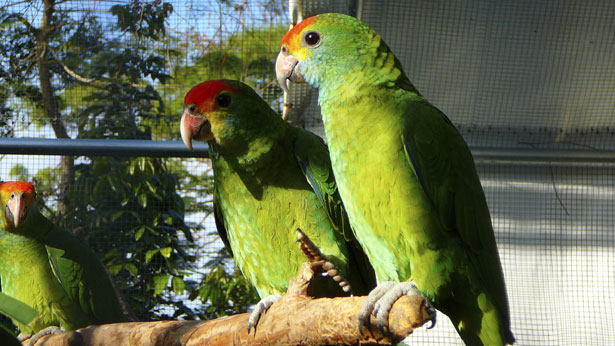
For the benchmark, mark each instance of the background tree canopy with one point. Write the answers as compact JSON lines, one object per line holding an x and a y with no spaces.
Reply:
{"x":119,"y":70}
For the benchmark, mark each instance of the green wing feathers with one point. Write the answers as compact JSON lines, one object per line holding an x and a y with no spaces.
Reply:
{"x":444,"y":165}
{"x":83,"y":277}
{"x":313,"y":157}
{"x":220,"y":226}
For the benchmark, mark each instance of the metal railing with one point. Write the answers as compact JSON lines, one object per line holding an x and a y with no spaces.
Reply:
{"x":100,"y":147}
{"x":123,"y":147}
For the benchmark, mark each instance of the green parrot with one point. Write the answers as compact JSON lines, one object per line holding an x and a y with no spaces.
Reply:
{"x":406,"y":177}
{"x":271,"y":178}
{"x":50,"y":269}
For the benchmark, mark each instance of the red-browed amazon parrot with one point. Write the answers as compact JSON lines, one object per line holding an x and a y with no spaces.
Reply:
{"x":50,"y":269}
{"x":271,"y":178}
{"x":406,"y":177}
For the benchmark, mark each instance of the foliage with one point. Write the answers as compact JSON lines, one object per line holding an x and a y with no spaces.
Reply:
{"x":134,"y":215}
{"x":124,"y":77}
{"x":7,"y":116}
{"x":225,"y":292}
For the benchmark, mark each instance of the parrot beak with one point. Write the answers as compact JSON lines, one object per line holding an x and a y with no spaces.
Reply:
{"x":287,"y":68}
{"x":16,"y":210}
{"x":194,"y":127}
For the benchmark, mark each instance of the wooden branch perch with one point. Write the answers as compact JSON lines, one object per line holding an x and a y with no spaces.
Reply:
{"x":296,"y":319}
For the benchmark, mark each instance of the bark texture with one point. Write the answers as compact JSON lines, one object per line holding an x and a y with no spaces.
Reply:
{"x":67,"y":163}
{"x":296,"y":319}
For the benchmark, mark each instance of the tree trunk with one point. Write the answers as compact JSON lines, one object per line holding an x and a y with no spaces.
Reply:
{"x":296,"y":319}
{"x":67,"y":163}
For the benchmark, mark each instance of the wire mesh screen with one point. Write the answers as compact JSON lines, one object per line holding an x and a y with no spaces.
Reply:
{"x":509,"y":75}
{"x":521,"y":74}
{"x":528,"y":75}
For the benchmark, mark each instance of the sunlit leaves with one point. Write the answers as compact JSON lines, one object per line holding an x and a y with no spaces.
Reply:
{"x":142,"y":18}
{"x":225,"y":292}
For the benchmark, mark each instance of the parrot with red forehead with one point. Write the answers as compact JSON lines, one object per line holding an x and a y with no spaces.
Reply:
{"x":406,"y":177}
{"x":50,"y":269}
{"x":271,"y":178}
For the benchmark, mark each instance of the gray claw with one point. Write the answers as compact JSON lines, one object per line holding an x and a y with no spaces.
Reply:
{"x":384,"y":304}
{"x":260,"y":309}
{"x":381,"y":300}
{"x":47,"y":331}
{"x":370,"y":302}
{"x":432,"y":315}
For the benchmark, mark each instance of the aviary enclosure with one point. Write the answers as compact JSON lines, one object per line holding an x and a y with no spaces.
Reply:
{"x":529,"y":84}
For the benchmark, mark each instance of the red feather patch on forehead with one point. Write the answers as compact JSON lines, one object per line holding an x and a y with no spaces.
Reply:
{"x":205,"y":91}
{"x":297,"y":29}
{"x":16,"y":186}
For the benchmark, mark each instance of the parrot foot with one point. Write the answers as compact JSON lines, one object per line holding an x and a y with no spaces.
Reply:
{"x":33,"y":339}
{"x":319,"y":262}
{"x":381,"y":300}
{"x":260,"y":309}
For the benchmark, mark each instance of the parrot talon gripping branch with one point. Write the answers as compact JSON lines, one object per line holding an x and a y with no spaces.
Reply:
{"x":260,"y":308}
{"x":30,"y":340}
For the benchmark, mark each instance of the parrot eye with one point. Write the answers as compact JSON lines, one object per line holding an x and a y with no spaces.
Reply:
{"x":192,"y":108}
{"x":223,"y":100}
{"x":312,"y":38}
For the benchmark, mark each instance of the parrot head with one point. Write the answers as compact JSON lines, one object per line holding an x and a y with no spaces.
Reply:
{"x":323,"y":49}
{"x":17,"y":199}
{"x":224,"y":113}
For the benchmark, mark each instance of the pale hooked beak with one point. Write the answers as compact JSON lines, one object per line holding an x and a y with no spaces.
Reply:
{"x":194,"y":127}
{"x":287,"y":68}
{"x":16,"y":210}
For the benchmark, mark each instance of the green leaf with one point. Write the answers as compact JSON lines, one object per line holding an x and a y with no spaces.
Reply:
{"x":204,"y":292}
{"x":149,"y":254}
{"x":160,"y":283}
{"x":178,"y":284}
{"x":17,"y":310}
{"x":114,"y":269}
{"x":139,"y":233}
{"x":143,"y":200}
{"x":166,"y":252}
{"x":150,"y":186}
{"x":132,"y":269}
{"x":112,"y":183}
{"x":117,"y":215}
{"x":110,"y":254}
{"x":100,"y":188}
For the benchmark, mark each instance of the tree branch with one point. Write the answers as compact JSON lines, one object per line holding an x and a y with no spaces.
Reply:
{"x":74,"y":74}
{"x":295,"y":319}
{"x":67,"y":163}
{"x":84,"y":80}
